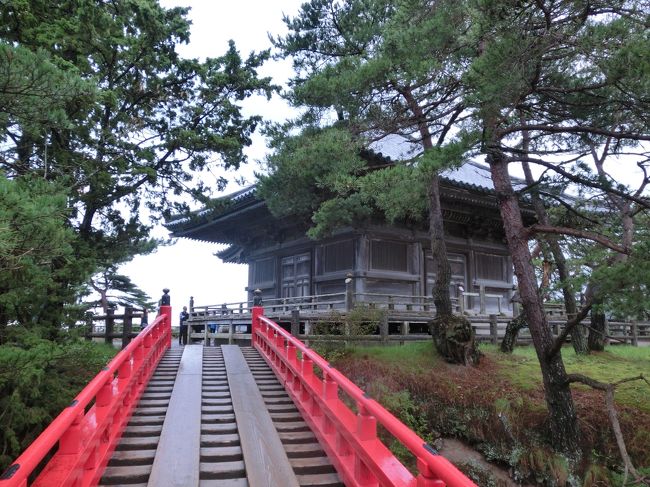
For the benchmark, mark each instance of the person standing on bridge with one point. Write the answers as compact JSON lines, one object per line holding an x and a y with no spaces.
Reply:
{"x":182,"y":336}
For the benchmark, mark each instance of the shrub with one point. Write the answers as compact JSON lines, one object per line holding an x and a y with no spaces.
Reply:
{"x":38,"y":378}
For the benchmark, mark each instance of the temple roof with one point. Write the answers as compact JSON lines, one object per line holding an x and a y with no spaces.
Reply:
{"x":245,"y":217}
{"x":471,"y":175}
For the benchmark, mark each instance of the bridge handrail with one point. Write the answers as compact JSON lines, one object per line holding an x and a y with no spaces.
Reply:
{"x":281,"y":346}
{"x":106,"y":390}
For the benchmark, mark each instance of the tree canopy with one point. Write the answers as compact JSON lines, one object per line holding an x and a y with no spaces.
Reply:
{"x":96,"y":100}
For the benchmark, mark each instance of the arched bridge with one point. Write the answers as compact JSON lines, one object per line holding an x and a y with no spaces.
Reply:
{"x":275,"y":414}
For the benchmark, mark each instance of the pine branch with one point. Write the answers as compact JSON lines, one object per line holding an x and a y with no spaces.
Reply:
{"x":574,"y":232}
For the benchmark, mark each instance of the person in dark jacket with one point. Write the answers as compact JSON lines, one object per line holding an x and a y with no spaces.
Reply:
{"x":182,"y":336}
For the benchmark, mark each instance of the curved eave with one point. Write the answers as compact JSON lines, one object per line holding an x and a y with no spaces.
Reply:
{"x":207,"y":228}
{"x":234,"y":201}
{"x":478,"y":196}
{"x":232,"y":254}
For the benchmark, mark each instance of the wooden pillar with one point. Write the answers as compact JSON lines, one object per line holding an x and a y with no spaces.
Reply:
{"x":231,"y":332}
{"x":404,"y":328}
{"x":127,"y":326}
{"x":515,"y":309}
{"x":349,"y":292}
{"x":90,"y":325}
{"x":494,"y":329}
{"x":634,"y":328}
{"x":481,"y":294}
{"x":383,"y":328}
{"x":295,"y":322}
{"x":307,"y":332}
{"x":109,"y":326}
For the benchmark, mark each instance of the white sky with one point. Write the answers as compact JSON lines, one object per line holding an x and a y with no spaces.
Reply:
{"x":189,"y":268}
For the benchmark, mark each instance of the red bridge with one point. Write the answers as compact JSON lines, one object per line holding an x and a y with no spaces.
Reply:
{"x":275,"y":414}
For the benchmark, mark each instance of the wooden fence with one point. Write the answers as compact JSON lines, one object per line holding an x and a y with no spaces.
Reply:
{"x":112,"y":326}
{"x":304,"y":325}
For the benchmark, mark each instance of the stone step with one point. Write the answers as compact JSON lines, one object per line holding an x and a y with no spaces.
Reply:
{"x":242,"y":482}
{"x":303,"y":450}
{"x":320,"y":480}
{"x":219,"y":440}
{"x":222,"y":470}
{"x":221,"y":454}
{"x":312,"y":465}
{"x":126,"y":474}
{"x":294,"y":426}
{"x":137,"y":444}
{"x":136,"y":431}
{"x":135,"y":457}
{"x":219,"y":428}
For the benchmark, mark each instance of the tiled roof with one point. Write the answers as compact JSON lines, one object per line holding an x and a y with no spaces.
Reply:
{"x":471,"y":175}
{"x":241,"y":195}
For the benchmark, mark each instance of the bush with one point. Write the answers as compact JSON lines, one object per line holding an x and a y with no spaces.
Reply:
{"x":38,"y":379}
{"x":359,"y":321}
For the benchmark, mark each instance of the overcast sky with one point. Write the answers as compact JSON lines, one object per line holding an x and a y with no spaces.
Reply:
{"x":189,"y":268}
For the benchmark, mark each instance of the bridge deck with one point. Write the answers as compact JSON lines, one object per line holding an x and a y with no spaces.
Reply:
{"x":217,"y":416}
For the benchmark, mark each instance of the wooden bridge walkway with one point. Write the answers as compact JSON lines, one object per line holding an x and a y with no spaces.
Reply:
{"x":217,"y":416}
{"x":274,"y":414}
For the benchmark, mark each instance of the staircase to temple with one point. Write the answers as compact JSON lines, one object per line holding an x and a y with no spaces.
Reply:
{"x":220,"y":456}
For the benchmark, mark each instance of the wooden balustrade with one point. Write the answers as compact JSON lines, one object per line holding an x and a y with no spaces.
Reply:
{"x":410,"y":313}
{"x":115,"y":326}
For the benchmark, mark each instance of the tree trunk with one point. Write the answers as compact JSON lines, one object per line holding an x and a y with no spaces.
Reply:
{"x":441,"y":297}
{"x":512,"y":331}
{"x":598,"y":331}
{"x":563,"y":425}
{"x":454,"y":339}
{"x":578,"y":339}
{"x":453,"y":336}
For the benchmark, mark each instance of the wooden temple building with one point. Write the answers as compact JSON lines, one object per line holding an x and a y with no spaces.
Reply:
{"x":377,"y":264}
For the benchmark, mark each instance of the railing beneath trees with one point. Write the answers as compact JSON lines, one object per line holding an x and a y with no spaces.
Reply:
{"x":82,"y":438}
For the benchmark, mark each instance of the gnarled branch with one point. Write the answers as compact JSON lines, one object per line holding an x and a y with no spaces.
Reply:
{"x":574,"y":232}
{"x":609,"y":389}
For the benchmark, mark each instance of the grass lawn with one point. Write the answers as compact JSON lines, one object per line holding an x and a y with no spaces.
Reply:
{"x":521,"y":368}
{"x":616,"y":363}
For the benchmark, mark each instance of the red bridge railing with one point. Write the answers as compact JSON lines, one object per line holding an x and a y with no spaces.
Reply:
{"x":88,"y":430}
{"x":350,"y":440}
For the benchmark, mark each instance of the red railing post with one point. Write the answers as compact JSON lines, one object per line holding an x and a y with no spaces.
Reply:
{"x":291,"y":354}
{"x":366,"y":425}
{"x":255,"y":324}
{"x":166,"y":311}
{"x":426,"y":478}
{"x":70,"y":442}
{"x":330,"y":388}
